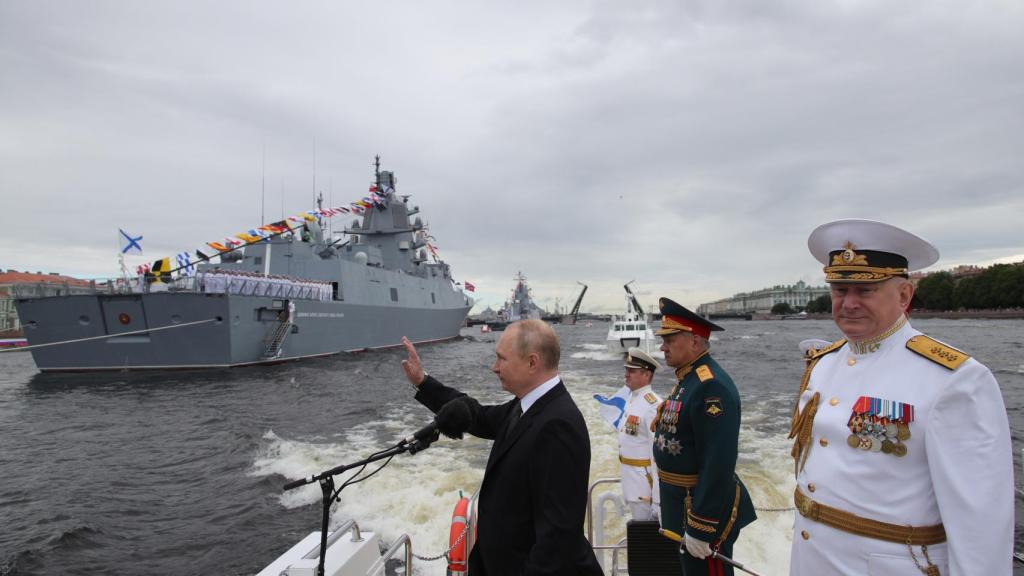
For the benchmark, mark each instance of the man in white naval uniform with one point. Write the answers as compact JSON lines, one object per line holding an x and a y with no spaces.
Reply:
{"x":639,"y":475}
{"x":902,"y":446}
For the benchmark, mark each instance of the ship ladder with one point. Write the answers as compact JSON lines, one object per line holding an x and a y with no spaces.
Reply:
{"x":275,"y":337}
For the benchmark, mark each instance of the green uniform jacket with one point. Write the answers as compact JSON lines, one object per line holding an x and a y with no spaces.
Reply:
{"x":697,"y":433}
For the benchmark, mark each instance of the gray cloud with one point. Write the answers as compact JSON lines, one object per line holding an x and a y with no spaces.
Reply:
{"x":689,"y":145}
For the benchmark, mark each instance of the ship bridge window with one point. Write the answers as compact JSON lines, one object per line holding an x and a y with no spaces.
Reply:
{"x":394,"y":294}
{"x":257,"y":260}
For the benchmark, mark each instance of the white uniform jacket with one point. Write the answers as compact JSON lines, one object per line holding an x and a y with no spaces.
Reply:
{"x":639,"y":483}
{"x":956,"y":468}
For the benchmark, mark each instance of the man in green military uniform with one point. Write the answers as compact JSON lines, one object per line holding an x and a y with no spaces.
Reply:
{"x":703,"y":503}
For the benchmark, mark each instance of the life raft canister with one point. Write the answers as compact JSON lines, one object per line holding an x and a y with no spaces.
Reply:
{"x":458,"y":539}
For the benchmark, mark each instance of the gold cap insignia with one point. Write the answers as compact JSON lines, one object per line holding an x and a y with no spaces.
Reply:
{"x":849,"y":257}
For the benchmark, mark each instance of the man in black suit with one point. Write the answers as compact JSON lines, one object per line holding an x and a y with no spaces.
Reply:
{"x":534,"y":493}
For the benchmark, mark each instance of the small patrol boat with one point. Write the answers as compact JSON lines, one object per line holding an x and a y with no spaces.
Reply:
{"x":631,"y":329}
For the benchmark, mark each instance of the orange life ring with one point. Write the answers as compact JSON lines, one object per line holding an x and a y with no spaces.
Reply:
{"x":458,"y":539}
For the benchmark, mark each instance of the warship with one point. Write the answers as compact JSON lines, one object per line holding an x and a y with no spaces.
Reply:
{"x":296,"y":294}
{"x":518,"y":307}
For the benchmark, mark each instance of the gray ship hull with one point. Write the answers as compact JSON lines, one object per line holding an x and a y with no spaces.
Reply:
{"x":295,"y":293}
{"x":195,"y":330}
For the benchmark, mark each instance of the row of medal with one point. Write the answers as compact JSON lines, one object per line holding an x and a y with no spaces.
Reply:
{"x":880,"y":426}
{"x":669,"y":415}
{"x":632,"y":425}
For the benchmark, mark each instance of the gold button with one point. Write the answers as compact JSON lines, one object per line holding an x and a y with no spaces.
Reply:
{"x":811,"y":487}
{"x":834,"y":401}
{"x":805,"y":534}
{"x":851,"y":361}
{"x":823,"y":442}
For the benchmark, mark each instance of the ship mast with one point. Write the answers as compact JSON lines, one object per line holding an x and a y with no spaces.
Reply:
{"x":319,"y":209}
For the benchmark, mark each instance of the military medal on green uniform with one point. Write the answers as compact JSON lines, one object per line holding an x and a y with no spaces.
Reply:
{"x":670,"y":416}
{"x":878,"y":425}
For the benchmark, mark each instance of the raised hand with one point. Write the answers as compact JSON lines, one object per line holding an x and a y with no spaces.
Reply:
{"x":412,"y":365}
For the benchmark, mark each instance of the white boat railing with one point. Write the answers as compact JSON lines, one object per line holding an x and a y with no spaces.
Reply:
{"x":403,"y":541}
{"x":597,"y":540}
{"x":348,"y":526}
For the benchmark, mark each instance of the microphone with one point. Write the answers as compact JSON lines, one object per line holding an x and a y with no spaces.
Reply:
{"x":455,"y":418}
{"x":452,"y":420}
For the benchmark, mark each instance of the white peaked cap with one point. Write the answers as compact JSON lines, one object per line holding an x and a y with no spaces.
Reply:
{"x":871,"y":235}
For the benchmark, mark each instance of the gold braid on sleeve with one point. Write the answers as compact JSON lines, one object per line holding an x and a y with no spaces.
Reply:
{"x":803,"y":421}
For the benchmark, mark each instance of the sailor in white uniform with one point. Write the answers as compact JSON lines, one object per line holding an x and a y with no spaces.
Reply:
{"x":902,"y":446}
{"x":639,"y":474}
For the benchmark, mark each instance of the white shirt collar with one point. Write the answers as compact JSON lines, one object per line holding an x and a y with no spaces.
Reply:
{"x":639,"y":391}
{"x":533,"y":395}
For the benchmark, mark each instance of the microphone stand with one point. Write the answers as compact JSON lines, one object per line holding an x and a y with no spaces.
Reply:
{"x":326,"y":480}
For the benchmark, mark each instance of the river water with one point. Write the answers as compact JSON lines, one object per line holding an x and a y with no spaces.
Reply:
{"x":181,"y":472}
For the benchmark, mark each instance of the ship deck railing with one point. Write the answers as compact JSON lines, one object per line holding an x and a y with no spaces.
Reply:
{"x":100,"y":286}
{"x":118,"y":286}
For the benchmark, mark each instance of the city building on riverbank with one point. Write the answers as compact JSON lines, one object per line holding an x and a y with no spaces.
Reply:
{"x":13,"y":283}
{"x":961,"y":271}
{"x":761,"y":301}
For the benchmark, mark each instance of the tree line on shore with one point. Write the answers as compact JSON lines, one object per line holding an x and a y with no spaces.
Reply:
{"x":999,"y":287}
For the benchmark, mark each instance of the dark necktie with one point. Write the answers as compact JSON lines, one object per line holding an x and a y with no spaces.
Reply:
{"x":513,"y":418}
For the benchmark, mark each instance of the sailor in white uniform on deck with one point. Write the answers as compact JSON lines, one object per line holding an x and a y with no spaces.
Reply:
{"x":639,"y":475}
{"x":902,"y":446}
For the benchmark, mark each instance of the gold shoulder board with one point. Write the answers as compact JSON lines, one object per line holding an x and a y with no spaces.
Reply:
{"x":704,"y":373}
{"x":651,"y":398}
{"x":942,"y":354}
{"x":829,"y":349}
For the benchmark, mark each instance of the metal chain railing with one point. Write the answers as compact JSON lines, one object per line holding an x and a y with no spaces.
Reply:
{"x":444,"y":554}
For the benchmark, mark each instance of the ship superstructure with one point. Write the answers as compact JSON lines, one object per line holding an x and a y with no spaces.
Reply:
{"x":293,"y":295}
{"x":520,"y":304}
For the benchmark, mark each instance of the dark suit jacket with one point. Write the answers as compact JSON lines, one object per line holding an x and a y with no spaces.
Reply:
{"x":533,"y":498}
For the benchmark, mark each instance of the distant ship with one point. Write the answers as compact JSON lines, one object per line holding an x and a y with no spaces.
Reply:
{"x":294,"y":295}
{"x":519,"y":306}
{"x":631,"y":329}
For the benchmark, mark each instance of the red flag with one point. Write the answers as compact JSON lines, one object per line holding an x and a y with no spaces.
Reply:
{"x":469,"y":287}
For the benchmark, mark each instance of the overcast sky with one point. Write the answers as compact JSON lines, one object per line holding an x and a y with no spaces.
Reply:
{"x":691,"y":146}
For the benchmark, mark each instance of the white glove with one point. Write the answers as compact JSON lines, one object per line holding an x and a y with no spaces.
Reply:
{"x":699,"y":549}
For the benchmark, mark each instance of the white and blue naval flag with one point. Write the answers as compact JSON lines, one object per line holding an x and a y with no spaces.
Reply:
{"x":613,"y":407}
{"x":185,"y":264}
{"x":129,"y":243}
